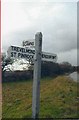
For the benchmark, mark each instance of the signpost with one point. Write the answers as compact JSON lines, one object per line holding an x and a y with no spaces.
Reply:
{"x":35,"y":55}
{"x":28,"y":53}
{"x":37,"y":75}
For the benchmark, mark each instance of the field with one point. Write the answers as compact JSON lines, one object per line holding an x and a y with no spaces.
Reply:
{"x":58,"y":98}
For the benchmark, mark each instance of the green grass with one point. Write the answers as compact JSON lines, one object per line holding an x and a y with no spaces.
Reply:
{"x":58,"y":99}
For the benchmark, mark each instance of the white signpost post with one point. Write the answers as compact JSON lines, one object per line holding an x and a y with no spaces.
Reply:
{"x":35,"y":55}
{"x":37,"y":75}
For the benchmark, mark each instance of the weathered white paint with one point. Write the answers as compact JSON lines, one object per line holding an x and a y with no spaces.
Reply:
{"x":37,"y":75}
{"x":28,"y":53}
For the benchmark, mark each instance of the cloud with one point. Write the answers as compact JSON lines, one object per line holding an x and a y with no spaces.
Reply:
{"x":68,"y":56}
{"x":40,"y":1}
{"x":57,"y":22}
{"x":13,"y":18}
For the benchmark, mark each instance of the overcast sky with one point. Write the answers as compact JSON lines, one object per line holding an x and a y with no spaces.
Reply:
{"x":56,"y":20}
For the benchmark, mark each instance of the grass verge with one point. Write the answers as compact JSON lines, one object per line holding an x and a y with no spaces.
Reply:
{"x":58,"y":98}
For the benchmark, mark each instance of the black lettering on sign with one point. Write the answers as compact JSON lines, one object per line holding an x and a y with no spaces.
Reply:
{"x":30,"y":43}
{"x":19,"y":54}
{"x":48,"y":56}
{"x":42,"y":55}
{"x":15,"y":49}
{"x":27,"y":56}
{"x":12,"y":47}
{"x":27,"y":43}
{"x":30,"y":51}
{"x":54,"y":57}
{"x":23,"y":50}
{"x":13,"y":54}
{"x":19,"y":49}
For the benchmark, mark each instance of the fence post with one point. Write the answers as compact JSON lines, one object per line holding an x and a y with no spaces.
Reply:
{"x":37,"y":75}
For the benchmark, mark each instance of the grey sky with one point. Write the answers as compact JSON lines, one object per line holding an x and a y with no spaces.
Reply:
{"x":56,"y":20}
